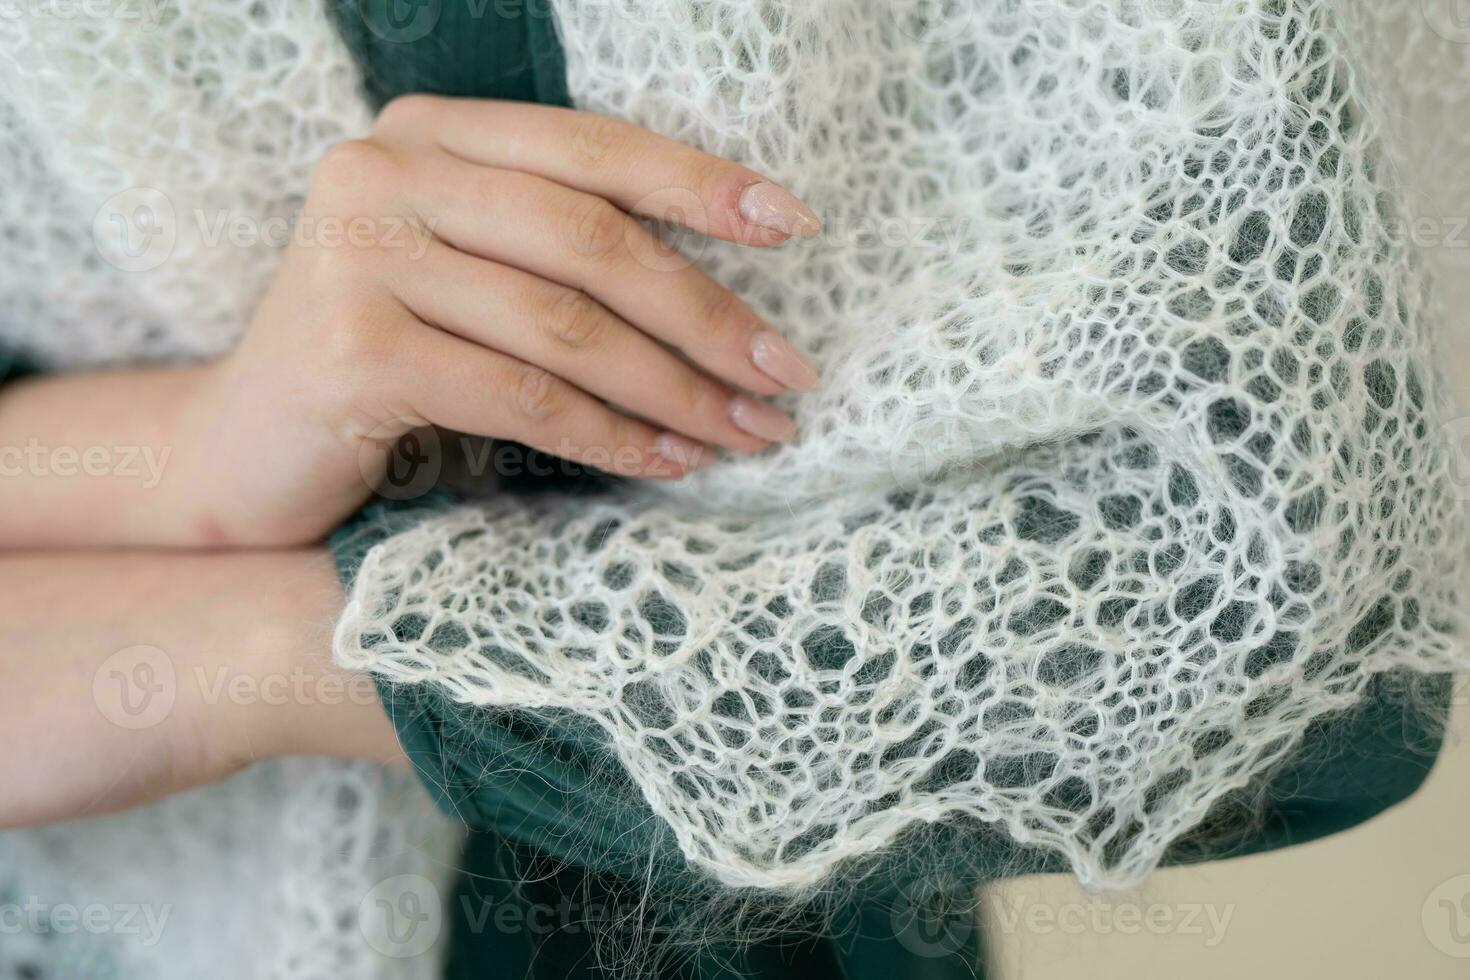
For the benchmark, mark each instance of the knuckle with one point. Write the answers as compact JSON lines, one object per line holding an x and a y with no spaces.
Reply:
{"x":693,"y":396}
{"x":725,"y":315}
{"x":405,"y":113}
{"x":625,"y":434}
{"x":576,"y":319}
{"x":595,"y":228}
{"x":537,"y":395}
{"x":355,"y":166}
{"x":598,"y":139}
{"x":353,"y":158}
{"x":709,"y":175}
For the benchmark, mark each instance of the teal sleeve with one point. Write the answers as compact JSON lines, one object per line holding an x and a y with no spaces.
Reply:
{"x":490,"y":50}
{"x":12,"y":366}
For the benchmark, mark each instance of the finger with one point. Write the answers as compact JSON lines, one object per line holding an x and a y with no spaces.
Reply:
{"x":640,"y":171}
{"x":584,"y":243}
{"x":460,"y":385}
{"x":574,"y":337}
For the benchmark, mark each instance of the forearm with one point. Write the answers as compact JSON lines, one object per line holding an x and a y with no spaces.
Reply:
{"x":128,"y":676}
{"x":96,"y":459}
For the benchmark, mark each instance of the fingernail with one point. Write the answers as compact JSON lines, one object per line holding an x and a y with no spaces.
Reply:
{"x":774,"y":355}
{"x":684,"y":453}
{"x":776,"y":208}
{"x":761,"y":419}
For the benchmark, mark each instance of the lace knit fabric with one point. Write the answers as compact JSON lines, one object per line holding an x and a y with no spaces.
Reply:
{"x":1131,"y":458}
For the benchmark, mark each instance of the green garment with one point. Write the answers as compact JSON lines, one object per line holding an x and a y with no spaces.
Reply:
{"x":12,"y":368}
{"x":549,"y":807}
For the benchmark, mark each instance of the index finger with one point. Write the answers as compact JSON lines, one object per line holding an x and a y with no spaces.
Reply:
{"x":639,"y":171}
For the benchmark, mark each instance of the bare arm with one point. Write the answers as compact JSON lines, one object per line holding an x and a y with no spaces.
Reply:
{"x":101,"y":458}
{"x":129,"y":676}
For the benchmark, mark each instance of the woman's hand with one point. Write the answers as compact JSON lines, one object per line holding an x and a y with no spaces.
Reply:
{"x":519,"y":300}
{"x":472,"y":265}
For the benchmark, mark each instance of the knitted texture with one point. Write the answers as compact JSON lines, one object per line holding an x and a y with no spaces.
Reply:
{"x":269,"y":876}
{"x":1131,"y":457}
{"x":155,"y":156}
{"x":152,"y":169}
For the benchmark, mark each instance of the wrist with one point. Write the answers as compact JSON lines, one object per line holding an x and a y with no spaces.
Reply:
{"x":197,"y":503}
{"x":284,"y":695}
{"x":104,"y":459}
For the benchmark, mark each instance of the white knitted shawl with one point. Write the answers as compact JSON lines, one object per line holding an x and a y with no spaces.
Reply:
{"x":1132,"y":458}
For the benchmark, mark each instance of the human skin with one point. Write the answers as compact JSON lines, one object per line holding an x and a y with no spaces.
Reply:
{"x":533,"y":307}
{"x":244,"y":638}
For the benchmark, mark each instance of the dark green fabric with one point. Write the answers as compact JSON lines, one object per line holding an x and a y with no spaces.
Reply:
{"x":559,"y":828}
{"x":489,"y":49}
{"x":12,"y":367}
